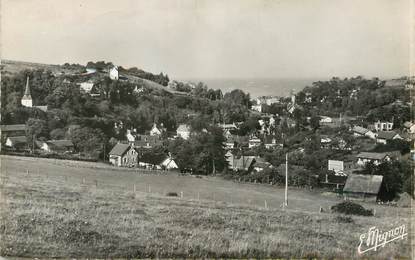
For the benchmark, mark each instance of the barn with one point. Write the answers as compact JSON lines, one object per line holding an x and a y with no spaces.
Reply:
{"x":362,"y":187}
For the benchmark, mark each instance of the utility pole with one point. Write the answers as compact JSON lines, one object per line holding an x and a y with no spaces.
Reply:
{"x":286,"y":182}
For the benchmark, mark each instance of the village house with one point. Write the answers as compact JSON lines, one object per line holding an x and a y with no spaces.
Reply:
{"x":376,"y":158}
{"x":16,"y":142}
{"x":62,"y":146}
{"x":409,"y":127}
{"x":242,"y":163}
{"x":270,"y":142}
{"x":86,"y":86}
{"x":383,"y":126}
{"x":385,"y":136}
{"x":254,"y":141}
{"x":228,"y":127}
{"x":361,"y":131}
{"x":157,"y":130}
{"x":183,"y":131}
{"x":260,"y":165}
{"x":147,"y":141}
{"x":325,"y":142}
{"x":325,"y":120}
{"x":123,"y":155}
{"x":12,"y":130}
{"x":160,"y":162}
{"x":113,"y":73}
{"x":257,"y":108}
{"x":362,"y":187}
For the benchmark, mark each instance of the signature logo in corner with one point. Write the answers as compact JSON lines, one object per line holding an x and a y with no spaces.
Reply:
{"x":375,"y":238}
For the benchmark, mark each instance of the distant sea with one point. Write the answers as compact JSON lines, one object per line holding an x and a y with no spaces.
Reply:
{"x":258,"y":86}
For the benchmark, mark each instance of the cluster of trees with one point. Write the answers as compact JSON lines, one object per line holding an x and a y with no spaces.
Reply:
{"x":397,"y":178}
{"x":355,"y":97}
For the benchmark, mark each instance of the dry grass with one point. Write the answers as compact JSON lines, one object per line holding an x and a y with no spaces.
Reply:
{"x":51,"y":217}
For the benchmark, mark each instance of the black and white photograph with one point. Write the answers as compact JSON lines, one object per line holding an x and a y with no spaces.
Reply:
{"x":172,"y":129}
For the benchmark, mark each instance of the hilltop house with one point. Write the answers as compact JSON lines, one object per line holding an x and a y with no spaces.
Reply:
{"x":361,"y":131}
{"x":86,"y":86}
{"x":123,"y":155}
{"x":377,"y":158}
{"x":386,"y":136}
{"x":362,"y":187}
{"x":113,"y":73}
{"x":183,"y":131}
{"x":56,"y":146}
{"x":16,"y":142}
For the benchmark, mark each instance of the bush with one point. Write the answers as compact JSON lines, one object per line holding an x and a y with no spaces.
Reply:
{"x":351,"y":208}
{"x":172,"y":194}
{"x":344,"y":219}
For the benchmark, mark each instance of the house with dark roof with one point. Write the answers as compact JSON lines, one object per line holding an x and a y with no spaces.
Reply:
{"x":16,"y":142}
{"x":362,"y":187}
{"x":386,"y":136}
{"x":377,"y":158}
{"x":361,"y":131}
{"x":147,"y":141}
{"x":260,"y":165}
{"x":123,"y":155}
{"x":242,"y":163}
{"x":12,"y":130}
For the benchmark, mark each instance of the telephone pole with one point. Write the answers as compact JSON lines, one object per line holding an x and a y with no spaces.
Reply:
{"x":286,"y":182}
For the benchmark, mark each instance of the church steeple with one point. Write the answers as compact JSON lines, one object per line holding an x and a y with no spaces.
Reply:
{"x":27,"y":97}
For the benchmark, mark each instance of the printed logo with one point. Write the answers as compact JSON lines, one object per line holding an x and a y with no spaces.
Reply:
{"x":375,"y":238}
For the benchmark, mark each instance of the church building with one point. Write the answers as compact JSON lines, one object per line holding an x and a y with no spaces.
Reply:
{"x":27,"y":97}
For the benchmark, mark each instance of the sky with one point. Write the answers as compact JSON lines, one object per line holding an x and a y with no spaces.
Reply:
{"x":215,"y":39}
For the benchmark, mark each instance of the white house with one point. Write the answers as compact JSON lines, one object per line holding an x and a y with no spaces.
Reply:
{"x":86,"y":86}
{"x":155,"y":130}
{"x":326,"y":120}
{"x":257,"y":108}
{"x":409,"y":127}
{"x":383,"y":126}
{"x":114,"y":73}
{"x":183,"y":131}
{"x":169,"y":164}
{"x":339,"y":167}
{"x":254,"y":142}
{"x":377,"y":158}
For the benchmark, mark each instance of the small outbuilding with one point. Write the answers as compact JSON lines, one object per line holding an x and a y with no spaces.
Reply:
{"x":362,"y":187}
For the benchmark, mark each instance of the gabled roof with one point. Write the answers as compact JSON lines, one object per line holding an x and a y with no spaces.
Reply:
{"x":244,"y":162}
{"x":360,"y":130}
{"x":373,"y":156}
{"x":183,"y":128}
{"x":363,"y":183}
{"x":387,"y":135}
{"x":408,"y":124}
{"x":6,"y":128}
{"x":18,"y":139}
{"x":120,"y":149}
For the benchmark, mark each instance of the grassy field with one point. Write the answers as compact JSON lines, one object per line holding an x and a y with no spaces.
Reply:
{"x":67,"y":209}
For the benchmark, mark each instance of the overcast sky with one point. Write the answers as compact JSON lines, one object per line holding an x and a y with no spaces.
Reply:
{"x":222,"y":39}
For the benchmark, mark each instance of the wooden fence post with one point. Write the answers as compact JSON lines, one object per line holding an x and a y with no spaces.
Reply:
{"x":265,"y":204}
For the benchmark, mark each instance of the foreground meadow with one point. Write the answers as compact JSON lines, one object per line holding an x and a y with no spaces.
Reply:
{"x":49,"y":210}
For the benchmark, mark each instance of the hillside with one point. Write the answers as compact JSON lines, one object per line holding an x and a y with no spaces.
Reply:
{"x":11,"y":67}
